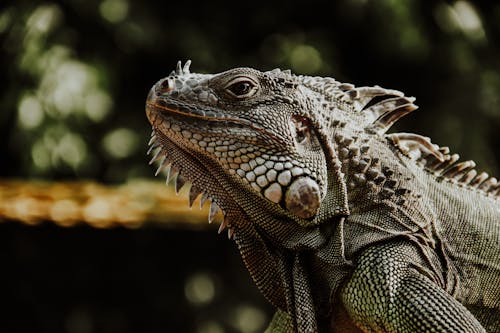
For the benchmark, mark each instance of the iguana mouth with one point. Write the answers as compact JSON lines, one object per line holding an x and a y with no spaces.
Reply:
{"x":161,"y":106}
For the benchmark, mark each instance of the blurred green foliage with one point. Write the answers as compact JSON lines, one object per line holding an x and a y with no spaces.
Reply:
{"x":76,"y":73}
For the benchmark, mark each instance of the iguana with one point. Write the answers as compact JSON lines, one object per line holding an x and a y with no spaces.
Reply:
{"x":341,"y":226}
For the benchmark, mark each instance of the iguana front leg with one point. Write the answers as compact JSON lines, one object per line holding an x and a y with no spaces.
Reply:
{"x":390,"y":291}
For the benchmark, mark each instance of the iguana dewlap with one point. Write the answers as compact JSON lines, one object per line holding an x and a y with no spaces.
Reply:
{"x":340,"y":225}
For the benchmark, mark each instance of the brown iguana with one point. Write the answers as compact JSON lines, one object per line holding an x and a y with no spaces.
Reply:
{"x":341,"y":226}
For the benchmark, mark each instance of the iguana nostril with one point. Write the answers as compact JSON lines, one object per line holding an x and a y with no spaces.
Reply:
{"x":166,"y":86}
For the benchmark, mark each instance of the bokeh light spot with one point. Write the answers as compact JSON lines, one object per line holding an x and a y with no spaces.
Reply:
{"x":114,"y":11}
{"x":461,"y":16}
{"x":65,"y":212}
{"x":43,"y":19}
{"x":199,"y":289}
{"x":70,"y":81}
{"x":121,"y":142}
{"x":40,"y":155}
{"x":30,"y":112}
{"x":72,"y":150}
{"x":469,"y":20}
{"x":249,"y":319}
{"x":98,"y":212}
{"x":305,"y":59}
{"x":97,"y":105}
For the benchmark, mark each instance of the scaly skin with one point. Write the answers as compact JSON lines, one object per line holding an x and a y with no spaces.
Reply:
{"x":342,"y":228}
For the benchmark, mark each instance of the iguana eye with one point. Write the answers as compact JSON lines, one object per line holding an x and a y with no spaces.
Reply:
{"x":241,"y":87}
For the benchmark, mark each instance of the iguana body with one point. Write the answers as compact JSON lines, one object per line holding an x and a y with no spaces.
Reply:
{"x":341,"y":226}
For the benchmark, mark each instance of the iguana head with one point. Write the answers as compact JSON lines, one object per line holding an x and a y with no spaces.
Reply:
{"x":249,"y":140}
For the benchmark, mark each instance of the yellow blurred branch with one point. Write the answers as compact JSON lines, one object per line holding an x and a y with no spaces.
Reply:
{"x":102,"y":206}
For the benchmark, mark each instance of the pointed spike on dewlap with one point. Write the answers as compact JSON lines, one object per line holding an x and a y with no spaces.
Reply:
{"x":185,"y":69}
{"x":172,"y":173}
{"x":152,"y":147}
{"x":203,"y":199}
{"x":230,"y":233}
{"x":193,"y":194}
{"x":178,"y":68}
{"x":213,"y":211}
{"x":165,"y":163}
{"x":152,"y":140}
{"x":156,"y":156}
{"x":179,"y":183}
{"x":167,"y":174}
{"x":222,"y":226}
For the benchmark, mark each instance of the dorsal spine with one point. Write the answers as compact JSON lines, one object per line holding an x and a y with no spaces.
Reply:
{"x":442,"y":164}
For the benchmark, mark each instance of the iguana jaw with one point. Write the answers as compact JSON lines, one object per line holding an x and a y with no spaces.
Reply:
{"x":188,"y":163}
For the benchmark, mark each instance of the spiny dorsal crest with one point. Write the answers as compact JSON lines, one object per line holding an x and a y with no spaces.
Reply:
{"x":438,"y":161}
{"x":380,"y":107}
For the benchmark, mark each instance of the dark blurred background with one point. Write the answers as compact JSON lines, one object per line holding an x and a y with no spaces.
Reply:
{"x":74,"y":77}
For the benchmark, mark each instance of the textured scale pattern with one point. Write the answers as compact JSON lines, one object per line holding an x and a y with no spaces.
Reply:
{"x":342,"y":227}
